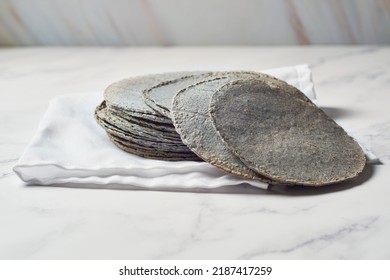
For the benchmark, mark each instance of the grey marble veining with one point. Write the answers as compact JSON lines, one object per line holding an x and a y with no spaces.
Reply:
{"x":187,"y":22}
{"x":346,"y":221}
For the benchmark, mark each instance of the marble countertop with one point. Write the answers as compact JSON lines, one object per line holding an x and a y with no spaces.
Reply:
{"x":347,"y":221}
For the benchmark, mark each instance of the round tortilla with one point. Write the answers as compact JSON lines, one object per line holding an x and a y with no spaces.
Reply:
{"x":190,"y":115}
{"x":280,"y":134}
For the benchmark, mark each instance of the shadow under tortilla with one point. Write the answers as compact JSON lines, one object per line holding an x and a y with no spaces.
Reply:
{"x":366,"y":174}
{"x":338,"y":113}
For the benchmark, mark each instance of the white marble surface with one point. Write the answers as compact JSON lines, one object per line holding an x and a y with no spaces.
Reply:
{"x":188,"y":22}
{"x":348,"y":221}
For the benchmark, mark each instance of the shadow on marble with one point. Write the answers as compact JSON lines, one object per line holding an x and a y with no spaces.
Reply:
{"x":338,"y":113}
{"x":363,"y":177}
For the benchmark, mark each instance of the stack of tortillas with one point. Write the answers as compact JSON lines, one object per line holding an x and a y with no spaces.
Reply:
{"x":246,"y":123}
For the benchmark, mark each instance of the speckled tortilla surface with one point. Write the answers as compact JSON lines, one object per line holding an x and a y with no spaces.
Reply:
{"x":280,"y":134}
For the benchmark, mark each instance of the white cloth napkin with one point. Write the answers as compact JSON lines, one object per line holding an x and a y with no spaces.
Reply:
{"x":71,"y":149}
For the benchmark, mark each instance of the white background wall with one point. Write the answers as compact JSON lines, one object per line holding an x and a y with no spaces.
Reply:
{"x":194,"y":22}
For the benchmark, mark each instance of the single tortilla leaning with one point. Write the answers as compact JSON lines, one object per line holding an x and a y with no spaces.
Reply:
{"x":190,"y":115}
{"x":283,"y":137}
